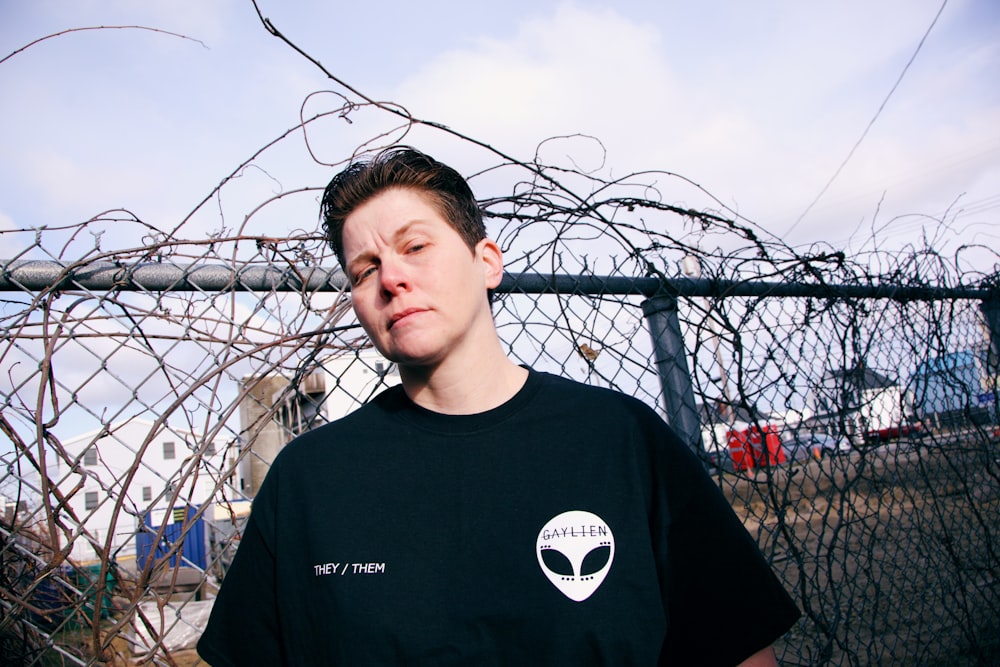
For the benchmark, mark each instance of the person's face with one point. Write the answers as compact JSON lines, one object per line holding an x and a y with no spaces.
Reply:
{"x":418,"y":290}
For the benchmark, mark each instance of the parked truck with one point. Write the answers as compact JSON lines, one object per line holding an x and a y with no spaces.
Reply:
{"x":955,"y":389}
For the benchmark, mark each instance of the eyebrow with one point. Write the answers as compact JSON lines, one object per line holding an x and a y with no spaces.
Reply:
{"x":402,"y":231}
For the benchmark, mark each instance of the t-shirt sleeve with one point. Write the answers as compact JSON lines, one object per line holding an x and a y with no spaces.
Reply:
{"x":724,"y":602}
{"x":243,"y":626}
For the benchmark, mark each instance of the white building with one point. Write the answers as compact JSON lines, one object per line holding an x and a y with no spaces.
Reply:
{"x":353,"y":380}
{"x":860,"y":400}
{"x":111,"y":479}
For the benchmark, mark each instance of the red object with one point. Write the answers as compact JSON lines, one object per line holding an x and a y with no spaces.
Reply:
{"x":751,"y":448}
{"x":886,"y":434}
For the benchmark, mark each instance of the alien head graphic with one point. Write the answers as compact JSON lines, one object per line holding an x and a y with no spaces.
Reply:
{"x":575,"y":550}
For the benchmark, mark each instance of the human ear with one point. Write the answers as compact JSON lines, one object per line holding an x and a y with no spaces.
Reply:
{"x":492,"y":258}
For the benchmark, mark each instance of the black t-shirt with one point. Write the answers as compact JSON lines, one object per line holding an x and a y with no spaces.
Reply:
{"x":568,"y":526}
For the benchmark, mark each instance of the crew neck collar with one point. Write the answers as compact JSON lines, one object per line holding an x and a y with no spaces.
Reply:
{"x":399,"y":404}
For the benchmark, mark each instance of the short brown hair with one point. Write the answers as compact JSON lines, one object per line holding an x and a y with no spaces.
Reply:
{"x":400,"y":167}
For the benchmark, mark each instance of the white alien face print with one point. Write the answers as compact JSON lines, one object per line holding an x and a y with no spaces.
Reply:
{"x":575,"y":550}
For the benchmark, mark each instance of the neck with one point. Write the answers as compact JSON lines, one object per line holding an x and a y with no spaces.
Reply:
{"x":464,"y":389}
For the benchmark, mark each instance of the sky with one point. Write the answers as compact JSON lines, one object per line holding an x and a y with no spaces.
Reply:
{"x":761,"y":104}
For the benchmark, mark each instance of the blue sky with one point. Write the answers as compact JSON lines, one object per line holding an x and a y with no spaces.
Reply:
{"x":759,"y":103}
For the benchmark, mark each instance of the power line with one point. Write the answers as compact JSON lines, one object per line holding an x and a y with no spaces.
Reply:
{"x":872,"y":121}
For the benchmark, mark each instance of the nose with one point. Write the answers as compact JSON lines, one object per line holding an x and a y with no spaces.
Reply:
{"x":393,"y":278}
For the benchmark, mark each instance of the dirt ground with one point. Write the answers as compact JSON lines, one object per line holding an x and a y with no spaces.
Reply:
{"x":891,"y":552}
{"x":189,"y":659}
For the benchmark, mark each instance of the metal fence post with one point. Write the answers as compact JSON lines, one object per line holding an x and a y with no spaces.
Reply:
{"x":672,"y":367}
{"x":991,"y":313}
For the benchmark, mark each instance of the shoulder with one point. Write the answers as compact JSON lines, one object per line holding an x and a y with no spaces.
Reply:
{"x":588,"y":413}
{"x":595,"y":401}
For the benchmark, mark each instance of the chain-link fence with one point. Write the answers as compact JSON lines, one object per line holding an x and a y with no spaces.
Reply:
{"x":853,"y":427}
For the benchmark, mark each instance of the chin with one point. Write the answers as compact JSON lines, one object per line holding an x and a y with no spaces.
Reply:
{"x":423,"y":349}
{"x":414,"y":357}
{"x":412,"y":360}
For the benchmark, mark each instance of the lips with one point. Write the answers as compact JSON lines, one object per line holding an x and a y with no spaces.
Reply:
{"x":402,"y":315}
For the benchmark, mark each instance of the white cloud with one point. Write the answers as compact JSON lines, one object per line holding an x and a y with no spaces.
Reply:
{"x":575,"y":71}
{"x":759,"y":105}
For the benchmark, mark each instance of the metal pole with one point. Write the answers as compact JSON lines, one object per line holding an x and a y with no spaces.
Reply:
{"x":691,"y":266}
{"x":671,"y":364}
{"x":991,"y":314}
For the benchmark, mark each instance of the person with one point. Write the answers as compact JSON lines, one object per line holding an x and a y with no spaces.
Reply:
{"x":481,"y":512}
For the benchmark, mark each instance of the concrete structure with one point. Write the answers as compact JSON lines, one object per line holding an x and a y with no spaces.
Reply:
{"x":275,"y":408}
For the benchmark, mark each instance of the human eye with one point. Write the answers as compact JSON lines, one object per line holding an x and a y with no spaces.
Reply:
{"x":363,"y":273}
{"x":415,"y":246}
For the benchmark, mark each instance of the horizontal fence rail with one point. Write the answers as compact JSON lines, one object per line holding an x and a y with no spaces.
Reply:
{"x":36,"y":275}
